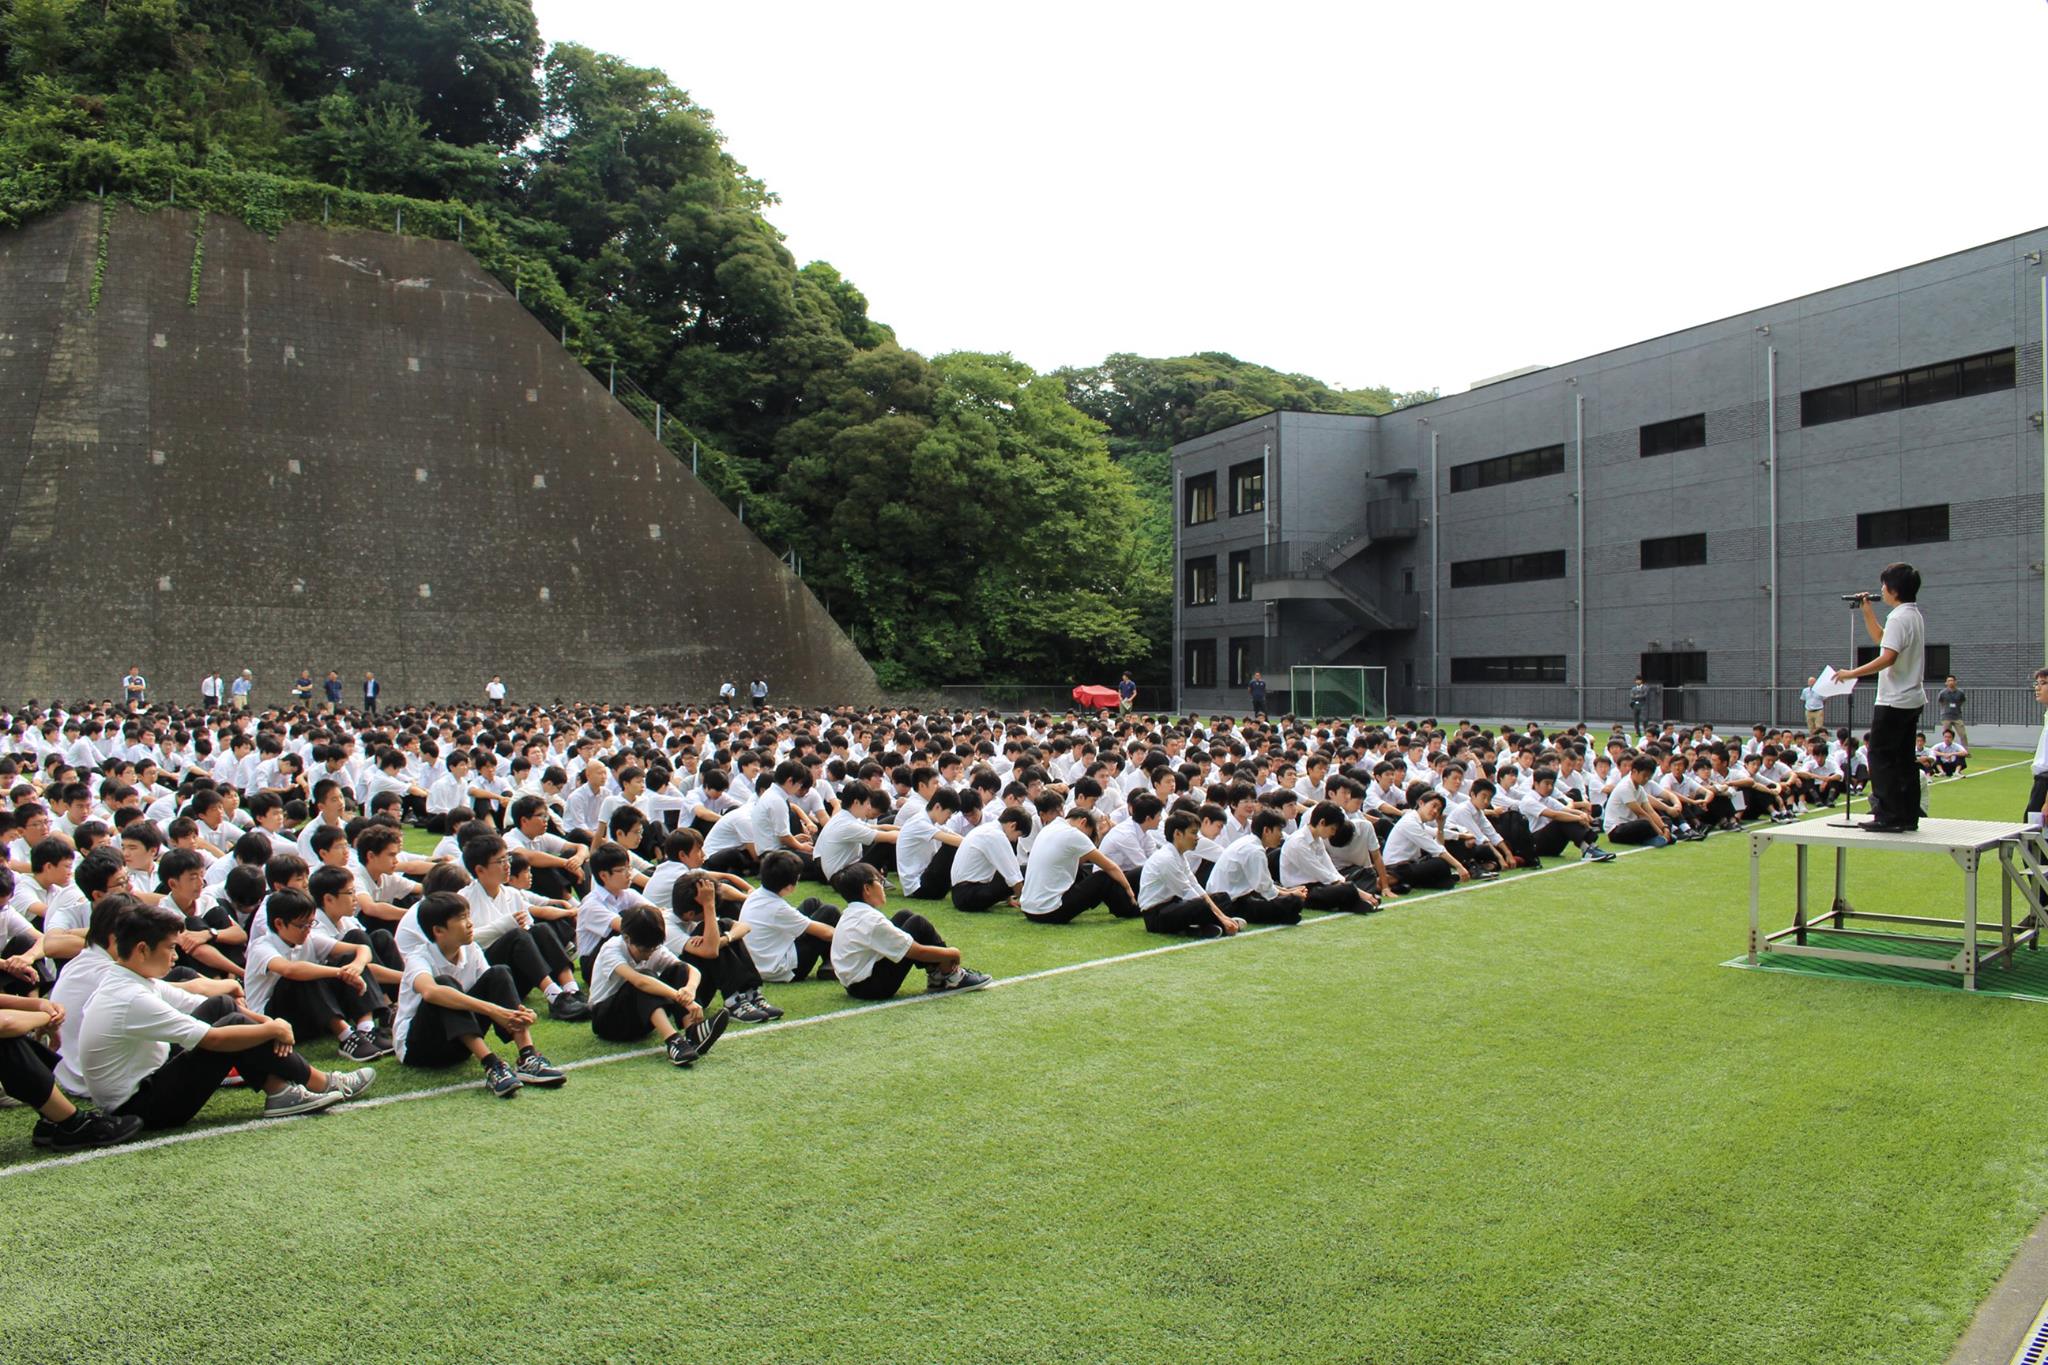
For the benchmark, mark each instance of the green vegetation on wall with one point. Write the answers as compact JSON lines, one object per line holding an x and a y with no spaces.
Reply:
{"x":963,"y":517}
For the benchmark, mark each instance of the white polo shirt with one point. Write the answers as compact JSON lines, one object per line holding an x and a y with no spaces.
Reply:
{"x":863,"y":937}
{"x":773,"y":926}
{"x":843,"y":841}
{"x":605,"y":981}
{"x":1055,"y":866}
{"x":1905,"y":631}
{"x":128,"y":1033}
{"x":259,"y":977}
{"x":986,"y":854}
{"x":430,"y":962}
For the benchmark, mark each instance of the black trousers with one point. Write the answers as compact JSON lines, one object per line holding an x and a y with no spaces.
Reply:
{"x":731,"y":971}
{"x":887,"y":977}
{"x":1428,"y":870}
{"x":532,"y":958}
{"x":1096,"y":888}
{"x":28,"y":1070}
{"x":383,"y":947}
{"x":1632,"y":832}
{"x":1262,"y":910}
{"x":729,"y":860}
{"x":1189,"y":917}
{"x":2037,"y":797}
{"x":1894,"y":777}
{"x":172,"y":1094}
{"x":938,"y":875}
{"x":1556,"y":836}
{"x":980,"y":895}
{"x":313,"y":1006}
{"x":45,"y":970}
{"x":810,"y":949}
{"x":1338,"y":896}
{"x":628,"y":1012}
{"x":437,"y":1035}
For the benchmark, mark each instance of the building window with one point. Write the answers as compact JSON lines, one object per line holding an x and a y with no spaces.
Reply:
{"x":1991,"y":372}
{"x":1486,"y":573}
{"x":1934,"y":665}
{"x":1240,"y":575}
{"x":1666,"y":438}
{"x":1509,"y":668}
{"x":1199,"y":665}
{"x":1675,"y":667}
{"x":1901,"y":526}
{"x":1674,"y":552}
{"x":1247,"y":487}
{"x":1523,"y":464}
{"x":1201,"y":498}
{"x":1201,"y":580}
{"x":1246,"y":653}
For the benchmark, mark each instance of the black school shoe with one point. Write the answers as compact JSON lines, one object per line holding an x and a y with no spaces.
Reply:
{"x":1888,"y":827}
{"x":83,"y":1130}
{"x":706,"y":1031}
{"x":569,"y":1007}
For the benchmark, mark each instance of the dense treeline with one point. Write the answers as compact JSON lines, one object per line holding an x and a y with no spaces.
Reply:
{"x":963,"y":517}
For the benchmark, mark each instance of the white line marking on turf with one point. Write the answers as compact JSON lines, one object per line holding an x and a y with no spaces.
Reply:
{"x":851,"y":1011}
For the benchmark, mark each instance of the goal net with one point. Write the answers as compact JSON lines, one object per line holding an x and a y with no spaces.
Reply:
{"x":1330,"y":691}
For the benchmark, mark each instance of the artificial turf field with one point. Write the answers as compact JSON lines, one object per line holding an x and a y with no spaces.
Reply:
{"x":1533,"y":1121}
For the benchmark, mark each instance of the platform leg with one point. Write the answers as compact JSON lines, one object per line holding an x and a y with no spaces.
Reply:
{"x":1799,"y":901}
{"x":1970,"y":921}
{"x":1756,"y":853}
{"x":1840,"y":906}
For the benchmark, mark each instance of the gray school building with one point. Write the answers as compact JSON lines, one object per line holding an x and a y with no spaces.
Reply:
{"x":1690,"y":508}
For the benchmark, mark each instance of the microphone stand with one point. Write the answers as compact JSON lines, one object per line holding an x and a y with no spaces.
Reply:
{"x":1848,"y":820}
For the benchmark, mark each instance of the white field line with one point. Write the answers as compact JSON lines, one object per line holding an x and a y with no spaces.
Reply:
{"x":852,"y":1011}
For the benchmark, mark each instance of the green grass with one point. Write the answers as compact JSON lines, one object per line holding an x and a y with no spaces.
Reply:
{"x":1530,"y":1122}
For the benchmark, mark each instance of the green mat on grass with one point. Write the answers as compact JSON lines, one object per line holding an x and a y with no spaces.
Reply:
{"x":2025,"y":979}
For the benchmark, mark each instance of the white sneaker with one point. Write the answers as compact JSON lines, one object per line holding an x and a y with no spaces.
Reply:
{"x":296,"y":1099}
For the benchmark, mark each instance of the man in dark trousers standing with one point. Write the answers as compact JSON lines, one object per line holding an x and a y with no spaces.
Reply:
{"x":371,"y":688}
{"x":1258,"y":691}
{"x":1900,"y":663}
{"x":1637,"y":697}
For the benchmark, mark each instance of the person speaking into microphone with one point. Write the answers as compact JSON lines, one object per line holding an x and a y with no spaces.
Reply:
{"x":1900,"y":663}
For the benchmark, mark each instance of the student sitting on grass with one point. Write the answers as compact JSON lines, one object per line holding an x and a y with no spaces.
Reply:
{"x":1948,"y":755}
{"x":1245,"y":874}
{"x":872,"y":952}
{"x":597,"y":917}
{"x":718,"y":952}
{"x":1305,"y":862}
{"x":28,"y":1062}
{"x":1632,"y":817}
{"x":986,"y":872}
{"x":126,"y":1041}
{"x":320,"y":984}
{"x":1055,"y":889}
{"x":1554,"y":823}
{"x":1415,"y":856}
{"x":1169,"y":898}
{"x":925,"y":852}
{"x":450,"y":995}
{"x":786,"y":940}
{"x":852,"y":835}
{"x":504,"y":928}
{"x":637,"y":987}
{"x":333,"y":892}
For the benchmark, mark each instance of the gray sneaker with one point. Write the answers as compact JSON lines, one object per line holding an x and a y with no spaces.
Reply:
{"x":959,"y":979}
{"x":351,"y":1083}
{"x":296,"y":1099}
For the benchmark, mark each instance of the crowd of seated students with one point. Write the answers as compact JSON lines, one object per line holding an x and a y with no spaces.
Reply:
{"x":190,"y":898}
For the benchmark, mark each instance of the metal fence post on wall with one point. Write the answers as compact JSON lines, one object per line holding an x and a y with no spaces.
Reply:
{"x":693,"y":455}
{"x":612,"y":382}
{"x":401,"y":222}
{"x":657,"y":421}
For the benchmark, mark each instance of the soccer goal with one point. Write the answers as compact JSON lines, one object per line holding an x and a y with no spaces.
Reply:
{"x":1330,"y":691}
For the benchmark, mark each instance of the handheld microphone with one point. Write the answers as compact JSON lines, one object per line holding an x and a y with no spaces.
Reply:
{"x":1858,"y":598}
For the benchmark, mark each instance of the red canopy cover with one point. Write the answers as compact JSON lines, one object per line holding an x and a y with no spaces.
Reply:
{"x":1102,"y":698}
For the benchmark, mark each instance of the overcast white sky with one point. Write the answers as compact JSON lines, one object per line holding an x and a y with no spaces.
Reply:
{"x":1415,"y":194}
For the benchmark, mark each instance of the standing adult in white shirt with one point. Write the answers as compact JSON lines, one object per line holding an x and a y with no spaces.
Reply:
{"x":1900,"y":665}
{"x":2037,"y":799}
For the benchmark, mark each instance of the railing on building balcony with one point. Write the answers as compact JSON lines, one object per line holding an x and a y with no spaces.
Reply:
{"x":1393,"y":518}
